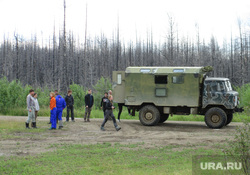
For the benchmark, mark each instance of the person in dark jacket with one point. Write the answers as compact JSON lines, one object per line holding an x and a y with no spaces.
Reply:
{"x":103,"y":102}
{"x":60,"y":105}
{"x":70,"y":105}
{"x":109,"y":112}
{"x":89,"y":101}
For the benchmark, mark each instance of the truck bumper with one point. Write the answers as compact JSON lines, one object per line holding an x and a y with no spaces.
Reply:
{"x":238,"y":109}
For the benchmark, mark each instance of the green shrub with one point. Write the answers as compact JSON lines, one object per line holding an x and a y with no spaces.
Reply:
{"x":4,"y":101}
{"x":78,"y":93}
{"x":14,"y":95}
{"x":244,"y":93}
{"x":239,"y":148}
{"x":102,"y":86}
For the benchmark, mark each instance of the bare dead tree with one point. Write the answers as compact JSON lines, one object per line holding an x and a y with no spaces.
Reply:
{"x":117,"y":44}
{"x":241,"y":52}
{"x":65,"y":82}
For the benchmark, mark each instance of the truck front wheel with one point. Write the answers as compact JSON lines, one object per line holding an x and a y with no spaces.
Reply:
{"x":215,"y":118}
{"x":149,"y":115}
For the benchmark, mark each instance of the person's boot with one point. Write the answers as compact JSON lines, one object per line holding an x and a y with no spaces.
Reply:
{"x":102,"y":128}
{"x":88,"y":120}
{"x":34,"y":125}
{"x":27,"y":125}
{"x":60,"y":124}
{"x":118,"y":128}
{"x":52,"y":128}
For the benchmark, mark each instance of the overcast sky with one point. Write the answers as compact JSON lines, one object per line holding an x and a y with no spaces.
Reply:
{"x":214,"y":17}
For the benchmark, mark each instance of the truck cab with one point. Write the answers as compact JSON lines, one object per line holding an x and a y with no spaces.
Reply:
{"x":219,"y":100}
{"x":219,"y":92}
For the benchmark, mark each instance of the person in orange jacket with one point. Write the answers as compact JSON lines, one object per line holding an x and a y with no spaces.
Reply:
{"x":53,"y":110}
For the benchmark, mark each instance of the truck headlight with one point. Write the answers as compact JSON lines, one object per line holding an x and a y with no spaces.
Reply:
{"x":235,"y":99}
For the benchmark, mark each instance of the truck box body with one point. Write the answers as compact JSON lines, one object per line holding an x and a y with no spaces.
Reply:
{"x":162,"y":86}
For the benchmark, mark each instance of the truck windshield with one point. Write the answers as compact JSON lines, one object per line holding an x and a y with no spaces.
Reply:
{"x":228,"y":86}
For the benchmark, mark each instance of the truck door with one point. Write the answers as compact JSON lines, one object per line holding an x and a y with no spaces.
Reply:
{"x":118,"y":86}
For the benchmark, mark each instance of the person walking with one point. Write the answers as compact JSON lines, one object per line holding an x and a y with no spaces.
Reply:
{"x":70,"y":105}
{"x":31,"y":110}
{"x":103,"y":102}
{"x":60,"y":105}
{"x":37,"y":108}
{"x":53,"y":110}
{"x":109,"y":112}
{"x":89,"y":101}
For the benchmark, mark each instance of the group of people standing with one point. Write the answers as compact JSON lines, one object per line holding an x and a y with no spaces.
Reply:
{"x":58,"y":104}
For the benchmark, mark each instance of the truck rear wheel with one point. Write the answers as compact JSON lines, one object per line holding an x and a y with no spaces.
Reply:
{"x":215,"y":118}
{"x":163,"y":118}
{"x":149,"y":115}
{"x":229,"y":119}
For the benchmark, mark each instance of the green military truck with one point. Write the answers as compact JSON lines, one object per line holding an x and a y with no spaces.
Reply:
{"x":157,"y":92}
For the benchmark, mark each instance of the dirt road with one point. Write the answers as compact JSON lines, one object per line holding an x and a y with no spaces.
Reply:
{"x":183,"y":134}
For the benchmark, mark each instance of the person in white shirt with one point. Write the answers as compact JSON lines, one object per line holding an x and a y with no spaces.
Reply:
{"x":31,"y":109}
{"x":37,"y":108}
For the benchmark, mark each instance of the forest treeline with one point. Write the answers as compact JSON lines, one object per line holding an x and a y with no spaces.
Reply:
{"x":65,"y":60}
{"x":13,"y":94}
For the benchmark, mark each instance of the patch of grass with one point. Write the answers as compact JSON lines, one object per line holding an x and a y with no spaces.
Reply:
{"x":10,"y":129}
{"x":105,"y":159}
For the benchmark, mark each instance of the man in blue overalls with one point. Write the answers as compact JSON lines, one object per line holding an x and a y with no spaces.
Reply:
{"x":60,"y":104}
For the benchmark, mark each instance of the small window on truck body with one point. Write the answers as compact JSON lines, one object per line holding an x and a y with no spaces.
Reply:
{"x":160,"y":92}
{"x":145,"y":70}
{"x":161,"y":79}
{"x":119,"y":79}
{"x":178,"y":70}
{"x":177,"y":79}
